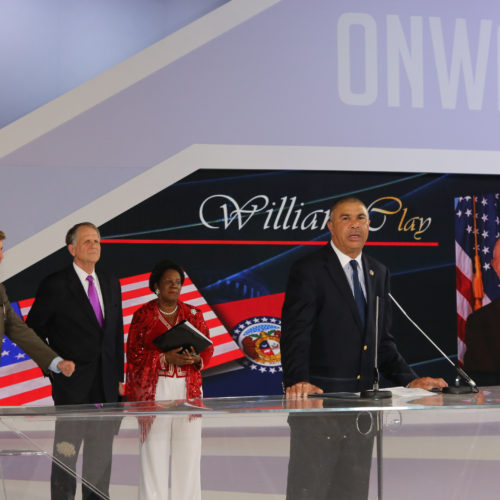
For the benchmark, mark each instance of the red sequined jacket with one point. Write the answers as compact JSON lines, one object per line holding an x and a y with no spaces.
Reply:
{"x":143,"y":357}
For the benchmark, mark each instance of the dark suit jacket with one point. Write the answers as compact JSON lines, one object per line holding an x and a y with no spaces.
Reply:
{"x":322,"y":338}
{"x":63,"y":316}
{"x":482,"y":337}
{"x":17,"y":331}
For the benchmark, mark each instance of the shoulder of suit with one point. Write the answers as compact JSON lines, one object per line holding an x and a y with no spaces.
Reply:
{"x":105,"y":275}
{"x":109,"y":279}
{"x":492,"y":307}
{"x":58,"y":275}
{"x":3,"y":292}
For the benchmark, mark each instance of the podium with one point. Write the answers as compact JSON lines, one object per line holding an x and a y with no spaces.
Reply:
{"x":434,"y":446}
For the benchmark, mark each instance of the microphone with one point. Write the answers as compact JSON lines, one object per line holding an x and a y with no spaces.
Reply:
{"x":375,"y":393}
{"x":454,"y":389}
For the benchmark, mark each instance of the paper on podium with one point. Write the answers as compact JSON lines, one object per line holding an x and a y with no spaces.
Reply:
{"x":407,"y":392}
{"x":399,"y":392}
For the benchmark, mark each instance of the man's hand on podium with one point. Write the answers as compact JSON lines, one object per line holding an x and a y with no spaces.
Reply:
{"x":301,"y":390}
{"x":427,"y":383}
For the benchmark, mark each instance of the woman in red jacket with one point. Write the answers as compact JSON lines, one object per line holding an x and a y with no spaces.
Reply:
{"x":153,"y":375}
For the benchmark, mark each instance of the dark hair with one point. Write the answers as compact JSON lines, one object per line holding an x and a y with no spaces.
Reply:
{"x":345,"y":199}
{"x":160,"y":269}
{"x":2,"y":235}
{"x":71,"y":234}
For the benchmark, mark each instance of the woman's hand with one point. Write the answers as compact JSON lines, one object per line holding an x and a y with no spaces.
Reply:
{"x":180,"y":358}
{"x":195,"y":358}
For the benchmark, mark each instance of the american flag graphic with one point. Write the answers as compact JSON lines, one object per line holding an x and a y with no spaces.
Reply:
{"x":477,"y":220}
{"x":22,"y":382}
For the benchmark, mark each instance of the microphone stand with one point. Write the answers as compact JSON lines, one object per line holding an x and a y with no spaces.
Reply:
{"x":375,"y":393}
{"x":454,"y":389}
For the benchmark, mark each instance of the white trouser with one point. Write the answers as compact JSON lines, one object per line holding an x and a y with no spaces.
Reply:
{"x":177,"y":437}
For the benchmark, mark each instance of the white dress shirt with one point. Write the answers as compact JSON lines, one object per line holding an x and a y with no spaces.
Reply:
{"x":82,"y":275}
{"x":344,"y":262}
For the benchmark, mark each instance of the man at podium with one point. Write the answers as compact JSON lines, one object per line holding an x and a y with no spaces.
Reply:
{"x":328,"y":345}
{"x":328,"y":319}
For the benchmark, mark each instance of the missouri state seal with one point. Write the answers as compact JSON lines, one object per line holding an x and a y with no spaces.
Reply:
{"x":259,"y":339}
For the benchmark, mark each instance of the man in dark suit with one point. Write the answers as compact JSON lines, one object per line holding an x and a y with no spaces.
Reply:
{"x":328,"y":344}
{"x":482,"y":337}
{"x":17,"y":331}
{"x":78,"y":312}
{"x":328,"y":338}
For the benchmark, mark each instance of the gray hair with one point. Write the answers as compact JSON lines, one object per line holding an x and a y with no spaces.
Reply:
{"x":71,"y":234}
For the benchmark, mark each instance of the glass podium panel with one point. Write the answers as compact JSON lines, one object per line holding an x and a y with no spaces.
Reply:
{"x":257,"y":448}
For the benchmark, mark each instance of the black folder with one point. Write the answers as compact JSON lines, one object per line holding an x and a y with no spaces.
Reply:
{"x":185,"y":335}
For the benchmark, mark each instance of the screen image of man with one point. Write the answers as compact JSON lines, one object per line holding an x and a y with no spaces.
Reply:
{"x":77,"y":311}
{"x":482,"y":337}
{"x":17,"y":331}
{"x":328,"y":345}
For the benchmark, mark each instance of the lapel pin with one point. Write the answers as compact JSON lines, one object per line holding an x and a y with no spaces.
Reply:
{"x":371,"y":272}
